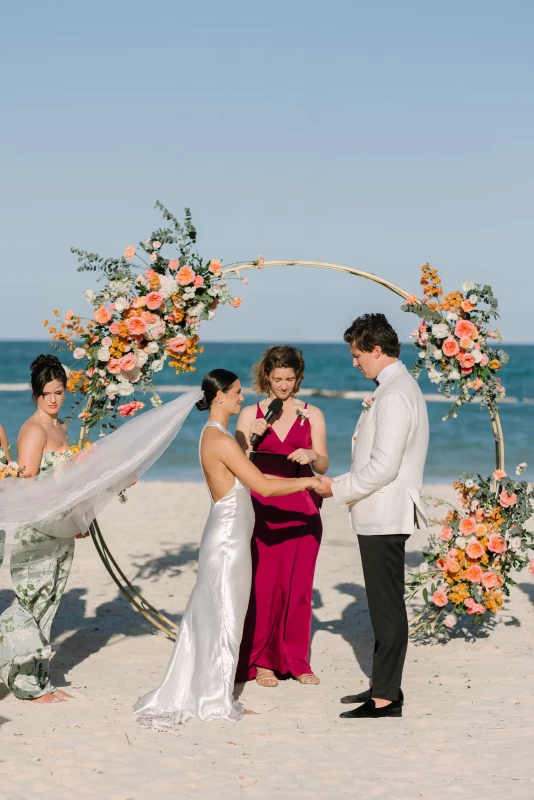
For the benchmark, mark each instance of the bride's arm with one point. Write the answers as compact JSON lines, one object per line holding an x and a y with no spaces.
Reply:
{"x":4,"y":442}
{"x":239,"y":465}
{"x":31,"y":446}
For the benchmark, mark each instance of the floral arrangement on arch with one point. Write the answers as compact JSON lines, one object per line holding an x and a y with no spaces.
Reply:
{"x":147,"y":313}
{"x":452,"y":341}
{"x":467,"y":568}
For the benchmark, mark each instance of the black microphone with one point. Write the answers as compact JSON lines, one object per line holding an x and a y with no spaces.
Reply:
{"x":274,"y":409}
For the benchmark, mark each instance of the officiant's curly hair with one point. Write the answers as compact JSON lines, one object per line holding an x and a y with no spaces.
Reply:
{"x":372,"y":330}
{"x":284,"y":356}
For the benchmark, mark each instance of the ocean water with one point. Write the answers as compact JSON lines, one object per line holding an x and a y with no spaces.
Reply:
{"x":462,"y":444}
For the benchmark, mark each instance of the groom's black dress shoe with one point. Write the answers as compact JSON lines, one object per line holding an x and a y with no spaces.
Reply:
{"x":370,"y":711}
{"x":363,"y":697}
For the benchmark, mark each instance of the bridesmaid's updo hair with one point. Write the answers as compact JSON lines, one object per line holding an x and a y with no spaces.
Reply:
{"x":44,"y":369}
{"x":218,"y":380}
{"x":283,"y":356}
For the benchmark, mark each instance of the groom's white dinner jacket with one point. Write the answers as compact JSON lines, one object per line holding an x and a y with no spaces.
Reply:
{"x":389,"y":450}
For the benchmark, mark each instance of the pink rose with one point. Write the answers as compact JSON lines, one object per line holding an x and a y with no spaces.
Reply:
{"x":450,"y":347}
{"x":177,"y":345}
{"x":446,"y":534}
{"x":129,"y":409}
{"x":154,"y":300}
{"x":153,"y":256}
{"x":473,"y":607}
{"x":496,"y":543}
{"x":464,"y":328}
{"x":155,"y":330}
{"x":484,"y":360}
{"x":474,"y":550}
{"x":507,"y":500}
{"x":198,"y":282}
{"x":114,"y":366}
{"x":185,"y":275}
{"x":441,"y":564}
{"x":136,"y":326}
{"x":467,"y":526}
{"x":531,"y":567}
{"x":114,"y":328}
{"x":174,"y":263}
{"x":449,"y":621}
{"x":156,"y":245}
{"x":474,"y":573}
{"x":128,"y":362}
{"x":439,"y":598}
{"x":467,"y":361}
{"x":102,"y":315}
{"x":107,"y":341}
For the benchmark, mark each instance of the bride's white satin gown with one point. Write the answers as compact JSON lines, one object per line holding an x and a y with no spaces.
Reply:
{"x":199,"y":680}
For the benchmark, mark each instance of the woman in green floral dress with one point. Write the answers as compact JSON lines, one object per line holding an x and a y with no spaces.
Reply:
{"x":40,"y":564}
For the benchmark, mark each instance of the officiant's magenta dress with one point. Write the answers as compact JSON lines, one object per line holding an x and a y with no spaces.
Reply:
{"x":285,"y":545}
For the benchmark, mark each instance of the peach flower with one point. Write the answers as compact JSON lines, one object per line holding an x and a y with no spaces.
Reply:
{"x":174,"y":263}
{"x":68,"y":316}
{"x":129,"y":409}
{"x":261,"y":262}
{"x":177,"y":345}
{"x":466,"y":343}
{"x":128,"y":362}
{"x":496,"y":543}
{"x":236,"y":302}
{"x":185,"y":276}
{"x":474,"y":550}
{"x":452,"y":565}
{"x":449,"y":621}
{"x":198,"y":282}
{"x":466,"y":306}
{"x":129,"y":252}
{"x":499,"y":474}
{"x":446,"y":534}
{"x":412,"y":298}
{"x":478,"y":384}
{"x":481,"y":530}
{"x":154,"y":300}
{"x":114,"y":328}
{"x":467,"y":526}
{"x":531,"y":567}
{"x":156,"y":245}
{"x":474,"y":573}
{"x":467,"y":361}
{"x":484,"y":360}
{"x":102,"y":315}
{"x":441,"y":564}
{"x":114,"y":366}
{"x":507,"y":500}
{"x":136,"y":326}
{"x":107,"y":341}
{"x":450,"y":347}
{"x":215,"y":267}
{"x":490,"y":580}
{"x":464,"y":328}
{"x":139,"y":302}
{"x":439,"y":598}
{"x":148,"y":317}
{"x":473,"y":607}
{"x":153,"y":256}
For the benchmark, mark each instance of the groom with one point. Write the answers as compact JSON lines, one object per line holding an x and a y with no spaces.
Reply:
{"x":381,"y":491}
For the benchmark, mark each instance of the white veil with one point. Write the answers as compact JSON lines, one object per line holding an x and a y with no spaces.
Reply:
{"x":64,"y":500}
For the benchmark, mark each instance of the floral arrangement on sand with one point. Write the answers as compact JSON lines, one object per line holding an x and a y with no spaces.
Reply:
{"x":468,"y":568}
{"x":453,"y":341}
{"x":146,"y":314}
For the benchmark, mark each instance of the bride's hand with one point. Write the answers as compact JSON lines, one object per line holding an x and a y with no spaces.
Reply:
{"x":82,"y":535}
{"x":259,"y":426}
{"x":302,"y":456}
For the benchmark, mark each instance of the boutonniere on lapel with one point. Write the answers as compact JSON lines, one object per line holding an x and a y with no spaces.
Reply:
{"x":367,"y":403}
{"x":303,"y":414}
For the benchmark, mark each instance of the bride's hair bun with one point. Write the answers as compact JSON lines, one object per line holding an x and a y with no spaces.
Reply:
{"x":218,"y":380}
{"x":46,"y":368}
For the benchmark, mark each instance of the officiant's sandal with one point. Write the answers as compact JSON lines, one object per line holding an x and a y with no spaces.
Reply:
{"x":308,"y":679}
{"x":266,"y":677}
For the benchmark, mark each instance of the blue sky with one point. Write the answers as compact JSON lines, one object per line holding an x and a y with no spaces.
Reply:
{"x":374,"y":134}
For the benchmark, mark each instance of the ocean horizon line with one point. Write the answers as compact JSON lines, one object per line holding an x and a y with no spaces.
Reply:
{"x":258,"y":341}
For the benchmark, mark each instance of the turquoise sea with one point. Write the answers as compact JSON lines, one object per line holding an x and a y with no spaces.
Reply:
{"x":465,"y":443}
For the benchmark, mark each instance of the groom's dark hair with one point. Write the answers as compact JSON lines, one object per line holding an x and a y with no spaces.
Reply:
{"x":371,"y":330}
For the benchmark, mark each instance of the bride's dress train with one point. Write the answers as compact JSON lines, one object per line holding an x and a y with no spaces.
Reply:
{"x":199,"y":680}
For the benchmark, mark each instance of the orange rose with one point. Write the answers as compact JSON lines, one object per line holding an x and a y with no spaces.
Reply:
{"x":439,"y":598}
{"x":466,"y":343}
{"x":481,"y":529}
{"x":467,"y":526}
{"x":467,"y":361}
{"x":464,"y":328}
{"x":139,"y":302}
{"x":507,"y":500}
{"x":215,"y":267}
{"x":154,"y":300}
{"x":450,"y":347}
{"x":496,"y":543}
{"x":128,"y":362}
{"x":490,"y":580}
{"x":102,"y":315}
{"x":466,"y":306}
{"x":185,"y":276}
{"x":129,"y":252}
{"x":236,"y":302}
{"x":136,"y":326}
{"x":474,"y":573}
{"x":474,"y":550}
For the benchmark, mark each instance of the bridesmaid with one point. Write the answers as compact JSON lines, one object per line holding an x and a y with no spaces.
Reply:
{"x":5,"y":455}
{"x":287,"y":532}
{"x":38,"y":577}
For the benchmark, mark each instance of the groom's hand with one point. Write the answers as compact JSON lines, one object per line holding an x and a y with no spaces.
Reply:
{"x":325,"y":487}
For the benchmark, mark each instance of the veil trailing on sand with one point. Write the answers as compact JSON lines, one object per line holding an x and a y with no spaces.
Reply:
{"x":64,"y":500}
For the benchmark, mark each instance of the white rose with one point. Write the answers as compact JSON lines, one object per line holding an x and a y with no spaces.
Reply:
{"x":452,"y":316}
{"x":468,"y":286}
{"x":454,"y":375}
{"x":103,"y":354}
{"x":157,"y":365}
{"x":89,"y":295}
{"x":440,"y":330}
{"x":79,"y":352}
{"x":124,"y":388}
{"x":434,"y":376}
{"x":142,"y":357}
{"x":449,"y":621}
{"x":437,"y":354}
{"x":478,"y":355}
{"x":111,"y":389}
{"x":422,"y":353}
{"x":152,"y":347}
{"x":515,"y":542}
{"x":423,"y":567}
{"x":121,"y":304}
{"x":213,"y":291}
{"x":460,"y":542}
{"x":473,"y":299}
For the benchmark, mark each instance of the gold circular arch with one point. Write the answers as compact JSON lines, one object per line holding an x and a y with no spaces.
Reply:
{"x":135,"y":598}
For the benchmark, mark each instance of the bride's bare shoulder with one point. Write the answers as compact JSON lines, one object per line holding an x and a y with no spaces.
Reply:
{"x":32,"y":431}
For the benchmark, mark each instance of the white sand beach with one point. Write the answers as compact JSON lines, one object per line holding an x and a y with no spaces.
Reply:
{"x":467,"y":727}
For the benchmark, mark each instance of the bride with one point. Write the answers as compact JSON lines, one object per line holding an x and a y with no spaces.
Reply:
{"x":200,"y":676}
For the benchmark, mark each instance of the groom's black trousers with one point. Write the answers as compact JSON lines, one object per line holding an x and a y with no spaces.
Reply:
{"x":383,"y":572}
